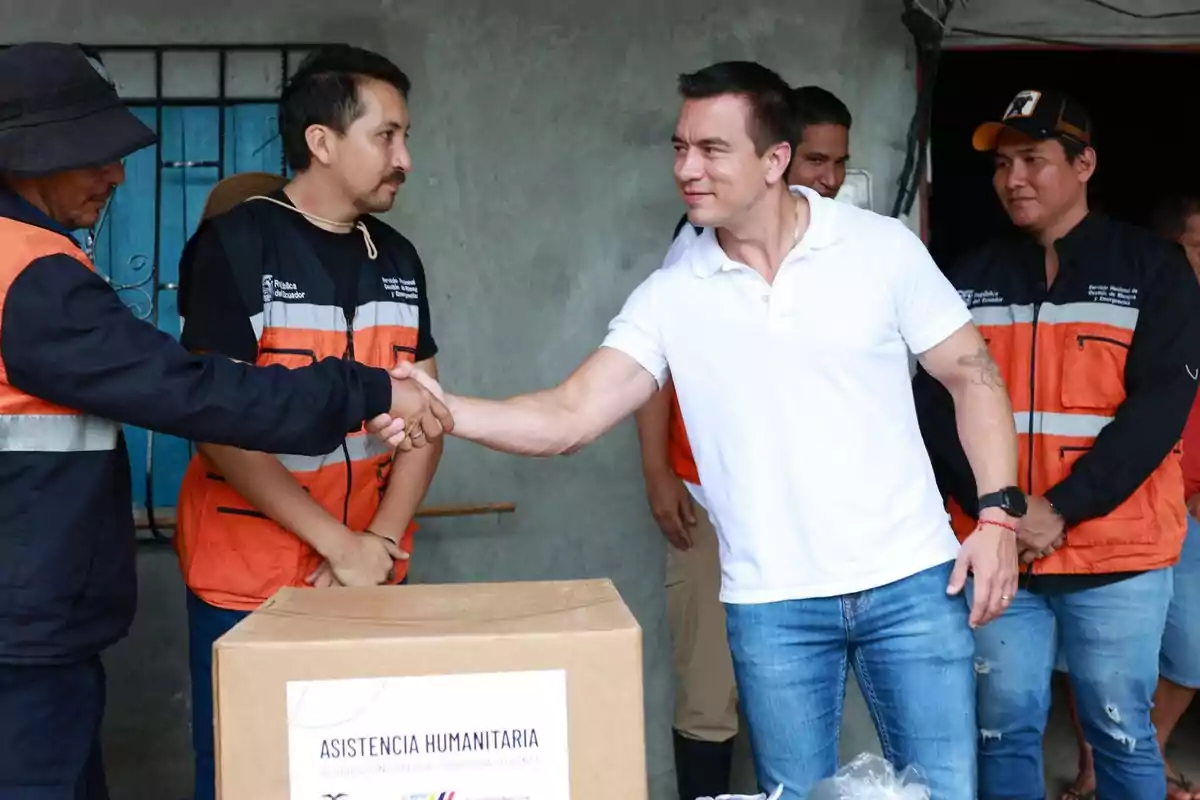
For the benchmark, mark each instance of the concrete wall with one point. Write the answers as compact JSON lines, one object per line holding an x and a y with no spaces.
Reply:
{"x":541,"y":196}
{"x":1078,"y":21}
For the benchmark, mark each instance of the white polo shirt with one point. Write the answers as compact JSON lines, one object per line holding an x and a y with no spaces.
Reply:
{"x":798,"y":402}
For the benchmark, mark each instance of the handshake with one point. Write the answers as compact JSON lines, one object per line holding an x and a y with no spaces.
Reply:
{"x":418,"y":414}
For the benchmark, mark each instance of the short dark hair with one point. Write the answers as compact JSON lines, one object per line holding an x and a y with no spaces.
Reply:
{"x":1171,"y":214}
{"x":813,"y":105}
{"x":1072,"y":147}
{"x":324,"y":91}
{"x":770,"y":109}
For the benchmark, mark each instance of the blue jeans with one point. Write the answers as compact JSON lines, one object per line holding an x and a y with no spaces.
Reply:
{"x":1180,"y":659}
{"x":911,"y":649}
{"x":1110,"y":638}
{"x":206,"y":624}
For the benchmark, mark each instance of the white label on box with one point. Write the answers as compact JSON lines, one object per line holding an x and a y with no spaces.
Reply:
{"x":498,"y":736}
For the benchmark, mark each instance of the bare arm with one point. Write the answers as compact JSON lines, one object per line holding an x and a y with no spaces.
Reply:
{"x":963,"y":365}
{"x":603,"y":390}
{"x":412,"y":472}
{"x":669,"y":499}
{"x":653,"y":421}
{"x":983,"y":412}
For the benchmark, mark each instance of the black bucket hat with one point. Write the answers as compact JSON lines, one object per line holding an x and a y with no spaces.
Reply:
{"x":59,"y":112}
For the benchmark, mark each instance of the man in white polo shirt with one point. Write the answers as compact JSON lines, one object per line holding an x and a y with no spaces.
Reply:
{"x":786,"y":327}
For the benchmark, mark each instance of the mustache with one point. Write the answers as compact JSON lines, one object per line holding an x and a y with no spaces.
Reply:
{"x":398,"y":176}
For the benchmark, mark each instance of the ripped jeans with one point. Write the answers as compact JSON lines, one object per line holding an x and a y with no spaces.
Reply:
{"x":1110,"y":638}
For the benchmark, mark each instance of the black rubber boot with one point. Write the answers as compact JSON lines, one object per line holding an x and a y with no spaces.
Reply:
{"x":703,"y":768}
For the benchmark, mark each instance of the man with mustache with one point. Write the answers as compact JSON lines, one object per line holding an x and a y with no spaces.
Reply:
{"x":1095,"y":329}
{"x":288,"y":277}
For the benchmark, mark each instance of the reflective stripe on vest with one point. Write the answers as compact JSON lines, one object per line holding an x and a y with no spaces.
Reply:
{"x":56,"y":433}
{"x":360,"y":448}
{"x":1052,"y":424}
{"x":309,"y":316}
{"x":29,"y":424}
{"x":1051,"y":314}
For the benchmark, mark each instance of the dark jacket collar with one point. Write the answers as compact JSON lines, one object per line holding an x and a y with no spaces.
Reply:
{"x":1080,"y":240}
{"x":1080,"y":245}
{"x":15,"y":207}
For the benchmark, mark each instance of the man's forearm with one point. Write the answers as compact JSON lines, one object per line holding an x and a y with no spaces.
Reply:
{"x":985,"y":428}
{"x":607,"y":387}
{"x":267,"y":485}
{"x":536,"y":424}
{"x":412,"y":472}
{"x":653,"y":423}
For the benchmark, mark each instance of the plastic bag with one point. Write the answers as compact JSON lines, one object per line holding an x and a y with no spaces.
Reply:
{"x":778,"y":793}
{"x":870,"y":777}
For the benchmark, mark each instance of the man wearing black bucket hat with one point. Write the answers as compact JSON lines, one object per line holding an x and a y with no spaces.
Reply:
{"x":1095,"y":327}
{"x":74,"y":365}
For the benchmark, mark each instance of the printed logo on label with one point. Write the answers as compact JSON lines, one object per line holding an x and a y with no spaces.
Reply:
{"x":1024,"y":104}
{"x":401,"y":288}
{"x":1114,"y":295}
{"x":281,"y":290}
{"x":981,"y":297}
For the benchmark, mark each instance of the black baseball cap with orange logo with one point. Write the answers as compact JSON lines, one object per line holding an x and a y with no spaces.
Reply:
{"x":1038,"y":114}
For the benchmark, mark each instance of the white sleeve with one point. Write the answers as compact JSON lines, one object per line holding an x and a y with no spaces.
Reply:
{"x":928,"y":307}
{"x":636,"y":331}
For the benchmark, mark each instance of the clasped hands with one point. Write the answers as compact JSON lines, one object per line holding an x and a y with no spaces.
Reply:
{"x":993,"y":551}
{"x":1041,"y":531}
{"x":418,"y":414}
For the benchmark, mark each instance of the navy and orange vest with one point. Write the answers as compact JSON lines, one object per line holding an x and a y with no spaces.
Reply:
{"x":28,"y":424}
{"x":232,"y":555}
{"x":68,"y":585}
{"x":1062,"y":352}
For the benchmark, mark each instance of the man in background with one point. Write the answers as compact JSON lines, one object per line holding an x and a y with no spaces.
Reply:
{"x":1177,"y":219}
{"x":1094,"y":326}
{"x":706,"y":715}
{"x":302,"y":273}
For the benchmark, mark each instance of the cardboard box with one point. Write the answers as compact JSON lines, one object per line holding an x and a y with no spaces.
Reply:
{"x":514,"y":691}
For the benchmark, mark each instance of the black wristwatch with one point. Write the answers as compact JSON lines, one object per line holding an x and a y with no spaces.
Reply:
{"x":1010,"y":500}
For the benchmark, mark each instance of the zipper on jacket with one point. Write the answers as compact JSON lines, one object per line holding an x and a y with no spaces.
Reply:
{"x":1037,"y":309}
{"x":1106,"y":339}
{"x":349,"y":356}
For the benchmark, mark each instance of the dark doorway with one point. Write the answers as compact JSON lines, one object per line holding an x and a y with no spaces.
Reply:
{"x":1143,"y":108}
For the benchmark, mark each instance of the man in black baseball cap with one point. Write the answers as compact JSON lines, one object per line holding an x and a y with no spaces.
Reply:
{"x":1093,"y":325}
{"x":74,"y":365}
{"x":1038,"y":114}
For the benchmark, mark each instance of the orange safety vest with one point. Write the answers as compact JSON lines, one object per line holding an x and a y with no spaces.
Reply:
{"x":679,"y":448}
{"x":28,"y":424}
{"x":1064,"y":366}
{"x":232,"y":555}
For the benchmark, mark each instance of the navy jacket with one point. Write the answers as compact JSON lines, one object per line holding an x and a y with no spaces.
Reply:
{"x":68,"y":585}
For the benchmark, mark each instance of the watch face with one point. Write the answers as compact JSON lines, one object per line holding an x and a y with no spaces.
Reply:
{"x":1014,"y":502}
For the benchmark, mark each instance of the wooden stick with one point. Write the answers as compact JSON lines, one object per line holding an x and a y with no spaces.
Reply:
{"x":165,"y":517}
{"x":467,"y":511}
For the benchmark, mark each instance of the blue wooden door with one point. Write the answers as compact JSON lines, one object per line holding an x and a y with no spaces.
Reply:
{"x":169,"y":196}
